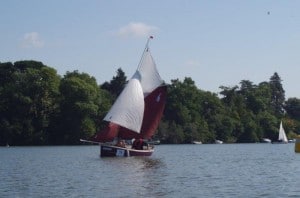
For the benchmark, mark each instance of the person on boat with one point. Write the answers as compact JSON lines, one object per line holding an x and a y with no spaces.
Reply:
{"x":121,"y":143}
{"x":138,"y":144}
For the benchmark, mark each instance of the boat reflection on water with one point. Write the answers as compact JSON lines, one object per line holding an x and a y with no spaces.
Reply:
{"x":135,"y":163}
{"x":150,"y":163}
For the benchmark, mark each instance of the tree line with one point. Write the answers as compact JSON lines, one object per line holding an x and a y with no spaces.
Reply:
{"x":40,"y":107}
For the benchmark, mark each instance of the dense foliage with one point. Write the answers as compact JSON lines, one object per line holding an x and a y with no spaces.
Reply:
{"x":39,"y":107}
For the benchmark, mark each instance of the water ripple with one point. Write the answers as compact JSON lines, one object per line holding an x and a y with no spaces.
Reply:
{"x":237,"y":170}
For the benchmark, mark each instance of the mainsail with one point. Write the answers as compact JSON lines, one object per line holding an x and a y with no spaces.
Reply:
{"x":138,"y":109}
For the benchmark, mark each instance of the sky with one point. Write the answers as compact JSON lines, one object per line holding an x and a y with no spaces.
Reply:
{"x":214,"y":42}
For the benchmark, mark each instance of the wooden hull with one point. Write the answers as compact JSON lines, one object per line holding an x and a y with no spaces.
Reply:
{"x":114,"y":151}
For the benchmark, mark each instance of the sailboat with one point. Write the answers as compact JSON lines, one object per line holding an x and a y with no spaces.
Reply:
{"x":282,"y":138}
{"x":134,"y":117}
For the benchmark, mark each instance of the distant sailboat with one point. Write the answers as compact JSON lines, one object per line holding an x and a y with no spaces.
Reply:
{"x":266,"y":140}
{"x":135,"y":114}
{"x":218,"y":142}
{"x":282,"y":138}
{"x":196,"y":142}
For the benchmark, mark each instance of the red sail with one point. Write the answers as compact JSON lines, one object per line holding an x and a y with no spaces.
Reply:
{"x":154,"y":107}
{"x":107,"y":134}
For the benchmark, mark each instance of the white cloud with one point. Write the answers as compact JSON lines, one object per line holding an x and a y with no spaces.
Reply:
{"x":32,"y":40}
{"x":136,"y":29}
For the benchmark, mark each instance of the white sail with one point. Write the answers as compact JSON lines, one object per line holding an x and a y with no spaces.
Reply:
{"x":128,"y":109}
{"x":282,"y":136}
{"x":147,"y":73}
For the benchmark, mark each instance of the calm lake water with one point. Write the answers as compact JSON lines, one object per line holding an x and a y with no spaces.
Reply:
{"x":227,"y":170}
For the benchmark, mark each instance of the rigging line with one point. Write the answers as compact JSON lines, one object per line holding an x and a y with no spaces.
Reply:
{"x":145,"y":50}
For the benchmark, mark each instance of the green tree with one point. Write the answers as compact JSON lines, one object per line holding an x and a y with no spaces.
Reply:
{"x":116,"y":85}
{"x":278,"y":95}
{"x":249,"y":130}
{"x":79,"y":108}
{"x":177,"y":134}
{"x":37,"y":106}
{"x":29,"y":94}
{"x":183,"y":105}
{"x":292,"y":107}
{"x":229,"y":95}
{"x":193,"y":111}
{"x":191,"y":133}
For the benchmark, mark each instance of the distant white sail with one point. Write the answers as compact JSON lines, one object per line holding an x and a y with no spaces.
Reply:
{"x":282,"y":136}
{"x":128,"y":109}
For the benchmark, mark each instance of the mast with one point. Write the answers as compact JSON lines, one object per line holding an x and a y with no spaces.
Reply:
{"x":145,"y":50}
